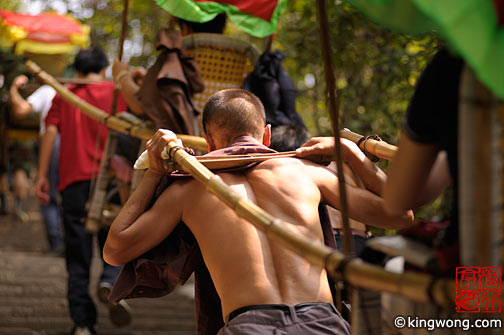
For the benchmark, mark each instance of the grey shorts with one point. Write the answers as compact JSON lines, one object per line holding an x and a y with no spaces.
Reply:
{"x":302,"y":319}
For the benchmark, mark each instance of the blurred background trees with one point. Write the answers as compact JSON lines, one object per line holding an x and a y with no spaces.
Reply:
{"x":375,"y":69}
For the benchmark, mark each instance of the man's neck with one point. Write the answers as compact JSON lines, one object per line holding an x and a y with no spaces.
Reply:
{"x":92,"y":77}
{"x":242,"y":138}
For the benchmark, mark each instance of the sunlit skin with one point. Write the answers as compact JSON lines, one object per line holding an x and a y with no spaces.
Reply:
{"x":247,"y":267}
{"x":416,"y":166}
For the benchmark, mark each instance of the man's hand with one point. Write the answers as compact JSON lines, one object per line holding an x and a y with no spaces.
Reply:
{"x":350,"y":151}
{"x":119,"y":67}
{"x":42,"y":190}
{"x":19,"y":81}
{"x":325,"y":146}
{"x":317,"y":146}
{"x":155,"y":147}
{"x":137,"y":74}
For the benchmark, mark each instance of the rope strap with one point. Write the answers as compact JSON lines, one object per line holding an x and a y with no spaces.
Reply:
{"x":342,"y":265}
{"x":175,"y":149}
{"x":364,"y":139}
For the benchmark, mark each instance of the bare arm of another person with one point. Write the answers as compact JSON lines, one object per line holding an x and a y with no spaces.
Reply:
{"x":129,"y":87}
{"x":370,"y":174}
{"x":46,"y":148}
{"x":20,"y":106}
{"x":417,"y":175}
{"x":363,"y":205}
{"x":135,"y":230}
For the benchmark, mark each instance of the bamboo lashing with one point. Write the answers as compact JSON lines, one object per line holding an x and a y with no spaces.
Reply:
{"x":135,"y":130}
{"x":380,"y":149}
{"x":411,"y":285}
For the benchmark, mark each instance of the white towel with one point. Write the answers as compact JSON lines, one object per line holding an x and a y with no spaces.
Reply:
{"x":142,"y":162}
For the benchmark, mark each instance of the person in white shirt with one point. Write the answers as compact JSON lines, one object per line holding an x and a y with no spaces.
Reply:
{"x":40,"y":102}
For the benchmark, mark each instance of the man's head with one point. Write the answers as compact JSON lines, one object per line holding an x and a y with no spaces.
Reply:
{"x":232,"y":113}
{"x":91,"y":60}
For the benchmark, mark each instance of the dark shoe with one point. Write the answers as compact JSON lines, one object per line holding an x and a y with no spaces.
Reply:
{"x":57,"y":252}
{"x":120,"y":313}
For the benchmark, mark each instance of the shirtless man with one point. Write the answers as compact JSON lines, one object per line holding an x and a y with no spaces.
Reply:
{"x":262,"y":285}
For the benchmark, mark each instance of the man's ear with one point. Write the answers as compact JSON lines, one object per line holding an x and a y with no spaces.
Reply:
{"x":210,"y":142}
{"x":267,"y":135}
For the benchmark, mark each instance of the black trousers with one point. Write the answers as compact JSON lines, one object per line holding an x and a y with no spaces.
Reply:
{"x":359,"y":243}
{"x":79,"y":253}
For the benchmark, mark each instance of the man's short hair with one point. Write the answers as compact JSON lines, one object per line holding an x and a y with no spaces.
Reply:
{"x":234,"y":112}
{"x":288,"y":137}
{"x":91,"y":60}
{"x":214,"y":26}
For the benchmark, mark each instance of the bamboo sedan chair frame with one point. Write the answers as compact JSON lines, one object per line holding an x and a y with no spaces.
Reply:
{"x":418,"y":287}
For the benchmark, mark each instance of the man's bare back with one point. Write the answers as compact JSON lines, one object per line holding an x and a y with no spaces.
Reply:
{"x":247,"y":267}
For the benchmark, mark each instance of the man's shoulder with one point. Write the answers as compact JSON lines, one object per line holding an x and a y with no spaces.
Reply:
{"x":290,"y":162}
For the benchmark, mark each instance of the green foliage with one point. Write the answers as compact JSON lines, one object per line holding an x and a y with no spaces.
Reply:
{"x":375,"y":69}
{"x":9,"y":4}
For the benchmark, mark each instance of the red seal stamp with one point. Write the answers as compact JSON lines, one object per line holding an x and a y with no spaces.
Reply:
{"x":478,"y":289}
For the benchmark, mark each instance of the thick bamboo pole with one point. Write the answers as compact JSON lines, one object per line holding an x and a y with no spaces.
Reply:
{"x":134,"y":130}
{"x":418,"y":287}
{"x":380,"y":149}
{"x":479,"y":159}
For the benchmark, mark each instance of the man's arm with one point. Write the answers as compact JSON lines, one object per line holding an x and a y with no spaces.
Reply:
{"x":370,"y":174}
{"x":129,"y":88}
{"x":417,"y":175}
{"x":46,"y":148}
{"x":135,"y":230}
{"x":363,"y":205}
{"x":20,"y":106}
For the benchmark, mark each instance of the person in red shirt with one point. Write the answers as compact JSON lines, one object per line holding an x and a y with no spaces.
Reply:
{"x":81,"y":148}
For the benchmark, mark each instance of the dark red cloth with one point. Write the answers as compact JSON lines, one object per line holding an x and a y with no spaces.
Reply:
{"x":167,"y":89}
{"x":79,"y":159}
{"x":171,"y":263}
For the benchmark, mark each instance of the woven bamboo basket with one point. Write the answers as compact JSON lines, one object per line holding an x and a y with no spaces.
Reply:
{"x":224,"y":62}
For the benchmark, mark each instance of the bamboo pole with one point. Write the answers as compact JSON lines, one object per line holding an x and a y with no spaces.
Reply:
{"x":479,"y":176}
{"x":411,"y":285}
{"x":380,"y":149}
{"x":134,"y":130}
{"x":99,"y":186}
{"x":334,"y":113}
